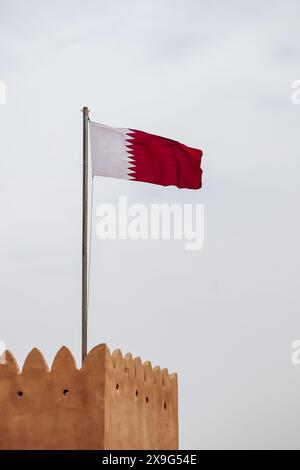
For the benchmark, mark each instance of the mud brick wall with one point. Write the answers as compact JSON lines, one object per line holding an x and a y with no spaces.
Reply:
{"x":111,"y":402}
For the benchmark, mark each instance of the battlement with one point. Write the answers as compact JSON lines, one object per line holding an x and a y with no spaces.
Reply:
{"x":111,"y":402}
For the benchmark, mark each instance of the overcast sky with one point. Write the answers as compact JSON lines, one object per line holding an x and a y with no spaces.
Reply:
{"x":216,"y":75}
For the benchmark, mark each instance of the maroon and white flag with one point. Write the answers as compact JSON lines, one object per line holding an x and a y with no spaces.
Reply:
{"x":139,"y":156}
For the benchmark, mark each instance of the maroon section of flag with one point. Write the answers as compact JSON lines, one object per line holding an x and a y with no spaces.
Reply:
{"x":140,"y":156}
{"x":164,"y":161}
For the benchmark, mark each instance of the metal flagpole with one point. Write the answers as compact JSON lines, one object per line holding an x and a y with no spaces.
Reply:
{"x":85,"y":194}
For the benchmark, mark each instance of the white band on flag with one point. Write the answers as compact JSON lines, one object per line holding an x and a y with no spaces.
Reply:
{"x":110,"y":154}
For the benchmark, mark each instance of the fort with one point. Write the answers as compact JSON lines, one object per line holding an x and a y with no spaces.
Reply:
{"x":111,"y":402}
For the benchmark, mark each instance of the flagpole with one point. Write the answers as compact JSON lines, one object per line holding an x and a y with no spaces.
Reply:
{"x":85,"y":194}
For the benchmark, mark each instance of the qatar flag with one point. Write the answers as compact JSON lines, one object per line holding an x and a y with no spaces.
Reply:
{"x":139,"y":156}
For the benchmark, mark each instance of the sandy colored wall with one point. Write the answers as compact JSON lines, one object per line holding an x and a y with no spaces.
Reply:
{"x":58,"y":409}
{"x":111,"y":402}
{"x":145,"y":399}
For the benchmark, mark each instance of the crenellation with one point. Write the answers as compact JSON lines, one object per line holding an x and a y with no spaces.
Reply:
{"x":35,"y":361}
{"x":111,"y":402}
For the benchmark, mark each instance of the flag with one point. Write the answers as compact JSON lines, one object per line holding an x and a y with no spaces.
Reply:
{"x":135,"y":155}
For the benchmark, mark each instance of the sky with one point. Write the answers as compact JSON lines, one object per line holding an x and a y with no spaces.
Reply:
{"x":217,"y":76}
